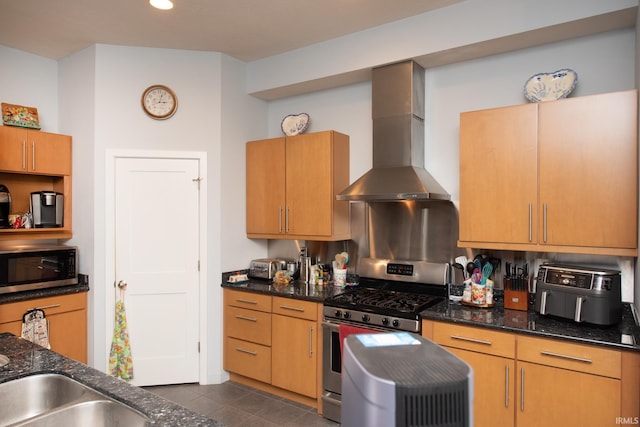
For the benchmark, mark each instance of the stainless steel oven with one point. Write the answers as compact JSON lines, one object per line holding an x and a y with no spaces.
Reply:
{"x":35,"y":267}
{"x":332,"y":367}
{"x":390,"y":297}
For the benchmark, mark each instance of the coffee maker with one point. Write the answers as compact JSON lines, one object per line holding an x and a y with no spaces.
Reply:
{"x":5,"y":206}
{"x":47,"y":209}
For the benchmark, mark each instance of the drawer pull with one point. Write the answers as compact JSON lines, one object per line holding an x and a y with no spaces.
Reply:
{"x":474,"y":340}
{"x":246,"y":301}
{"x":242,"y":350}
{"x":506,"y":386}
{"x":288,"y":307}
{"x":251,"y":319}
{"x":566,"y":356}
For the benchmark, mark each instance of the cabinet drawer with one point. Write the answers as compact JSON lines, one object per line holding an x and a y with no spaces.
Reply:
{"x":475,"y":339}
{"x":14,"y":311}
{"x":250,"y":300}
{"x":248,"y":325}
{"x":295,"y":308}
{"x":248,"y":359}
{"x":577,"y":357}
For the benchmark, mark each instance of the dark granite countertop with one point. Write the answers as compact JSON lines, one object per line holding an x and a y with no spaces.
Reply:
{"x":26,"y":359}
{"x":43,"y":293}
{"x":296,"y":289}
{"x":624,"y":336}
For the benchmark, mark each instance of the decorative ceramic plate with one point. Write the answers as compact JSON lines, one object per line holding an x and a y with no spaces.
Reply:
{"x":550,"y":86}
{"x":18,"y":115}
{"x":295,"y":124}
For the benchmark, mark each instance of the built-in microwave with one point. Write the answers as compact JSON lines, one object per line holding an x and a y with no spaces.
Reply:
{"x":37,"y":267}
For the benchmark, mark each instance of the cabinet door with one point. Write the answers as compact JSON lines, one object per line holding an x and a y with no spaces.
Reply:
{"x":549,"y":396}
{"x":309,"y":184}
{"x":294,"y":354}
{"x":13,"y":149}
{"x":48,"y":153}
{"x":265,"y":186}
{"x":493,"y":388}
{"x":498,"y":175}
{"x":589,"y":171}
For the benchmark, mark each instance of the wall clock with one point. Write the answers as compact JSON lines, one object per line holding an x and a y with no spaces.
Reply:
{"x":159,"y":102}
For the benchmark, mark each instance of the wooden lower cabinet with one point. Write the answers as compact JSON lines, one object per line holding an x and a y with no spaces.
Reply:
{"x":550,"y":396}
{"x":524,"y":381}
{"x":494,"y":387}
{"x":491,"y":355}
{"x":273,"y":344}
{"x":67,"y":315}
{"x":294,"y":355}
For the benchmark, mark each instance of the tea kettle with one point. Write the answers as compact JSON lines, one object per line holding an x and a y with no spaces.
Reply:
{"x":5,"y":206}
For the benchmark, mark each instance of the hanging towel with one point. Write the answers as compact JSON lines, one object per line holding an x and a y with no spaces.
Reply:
{"x":345,"y":330}
{"x":120,"y":360}
{"x":35,"y":327}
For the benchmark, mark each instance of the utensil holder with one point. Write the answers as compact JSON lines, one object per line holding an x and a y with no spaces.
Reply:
{"x":516,"y":293}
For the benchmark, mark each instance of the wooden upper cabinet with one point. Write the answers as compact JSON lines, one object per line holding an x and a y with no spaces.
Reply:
{"x":291,"y":187}
{"x":589,"y":171}
{"x":559,"y":176}
{"x":31,"y":151}
{"x":498,"y":175}
{"x":32,"y":161}
{"x":265,"y":186}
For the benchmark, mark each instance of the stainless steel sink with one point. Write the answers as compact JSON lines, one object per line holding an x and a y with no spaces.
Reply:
{"x":55,"y":400}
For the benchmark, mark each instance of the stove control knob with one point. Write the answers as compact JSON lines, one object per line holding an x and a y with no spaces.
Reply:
{"x":346,"y":315}
{"x":365,"y":317}
{"x":338,"y":313}
{"x":385,"y":321}
{"x":395,"y":323}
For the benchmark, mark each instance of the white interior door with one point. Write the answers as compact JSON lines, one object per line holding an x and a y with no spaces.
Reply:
{"x":157,"y":254}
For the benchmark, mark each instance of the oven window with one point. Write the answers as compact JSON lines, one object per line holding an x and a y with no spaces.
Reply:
{"x":336,"y":357}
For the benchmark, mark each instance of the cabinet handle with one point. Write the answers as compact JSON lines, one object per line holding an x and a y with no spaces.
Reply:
{"x":280,"y":219}
{"x":310,"y":341}
{"x":251,"y":319}
{"x":566,"y":356}
{"x":242,"y":350}
{"x":246,"y":301}
{"x":544,"y":224}
{"x":33,"y":155}
{"x":24,"y":154}
{"x":286,"y":220}
{"x":288,"y":307}
{"x":477,"y":341}
{"x":530,"y":222}
{"x":521,"y":389}
{"x":506,"y":386}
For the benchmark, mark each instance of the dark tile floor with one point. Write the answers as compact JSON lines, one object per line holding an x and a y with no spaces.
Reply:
{"x":237,"y":405}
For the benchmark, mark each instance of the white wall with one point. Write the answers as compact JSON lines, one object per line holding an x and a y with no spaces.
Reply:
{"x":604,"y":63}
{"x":32,"y":81}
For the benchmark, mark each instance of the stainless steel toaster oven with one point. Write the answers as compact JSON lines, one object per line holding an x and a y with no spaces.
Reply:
{"x":266,"y":268}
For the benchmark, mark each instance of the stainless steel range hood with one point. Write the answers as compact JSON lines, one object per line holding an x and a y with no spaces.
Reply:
{"x":398,"y":171}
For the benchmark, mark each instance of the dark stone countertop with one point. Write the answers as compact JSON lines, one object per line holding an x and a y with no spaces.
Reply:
{"x":296,"y":289}
{"x":623,"y":336}
{"x":43,"y":293}
{"x":26,"y":359}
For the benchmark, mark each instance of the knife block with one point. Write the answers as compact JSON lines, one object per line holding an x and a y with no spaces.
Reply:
{"x":515,"y":299}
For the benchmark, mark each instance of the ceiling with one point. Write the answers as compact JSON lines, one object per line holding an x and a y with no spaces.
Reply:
{"x":245,"y":29}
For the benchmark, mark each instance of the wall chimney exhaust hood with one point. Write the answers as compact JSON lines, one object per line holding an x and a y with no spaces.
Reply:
{"x":398,"y":171}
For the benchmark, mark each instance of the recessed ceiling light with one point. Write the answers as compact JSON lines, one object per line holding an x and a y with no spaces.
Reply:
{"x":161,"y":4}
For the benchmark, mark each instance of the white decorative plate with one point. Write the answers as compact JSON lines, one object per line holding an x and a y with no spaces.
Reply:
{"x":550,"y":86}
{"x":295,"y":124}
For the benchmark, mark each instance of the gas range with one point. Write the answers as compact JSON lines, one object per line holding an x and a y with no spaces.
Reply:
{"x":390,"y":295}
